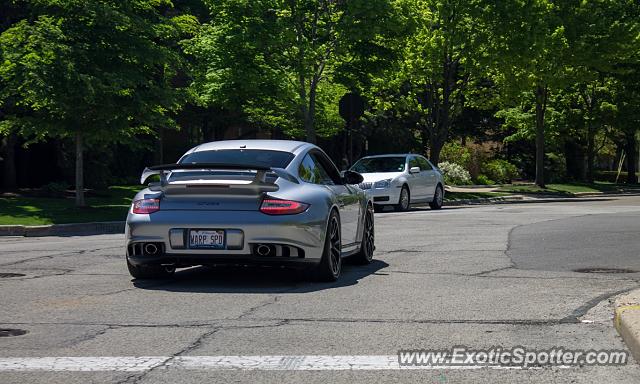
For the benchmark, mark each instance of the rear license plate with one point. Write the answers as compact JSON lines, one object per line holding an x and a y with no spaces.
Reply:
{"x":206,"y":239}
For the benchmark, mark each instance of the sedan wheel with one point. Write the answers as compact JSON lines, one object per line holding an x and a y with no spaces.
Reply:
{"x":331,"y":263}
{"x":438,"y":198}
{"x":405,"y":198}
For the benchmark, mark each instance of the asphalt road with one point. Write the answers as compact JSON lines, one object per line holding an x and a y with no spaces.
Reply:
{"x":484,"y":276}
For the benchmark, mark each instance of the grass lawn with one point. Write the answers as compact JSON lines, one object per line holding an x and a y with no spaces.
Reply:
{"x":569,"y":189}
{"x":109,"y":205}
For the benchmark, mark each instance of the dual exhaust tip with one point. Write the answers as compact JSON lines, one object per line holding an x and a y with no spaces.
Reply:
{"x":277,"y":250}
{"x":265,"y":250}
{"x":151,"y":249}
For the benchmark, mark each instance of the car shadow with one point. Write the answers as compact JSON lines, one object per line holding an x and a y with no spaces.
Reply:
{"x":417,"y":208}
{"x":252,"y":279}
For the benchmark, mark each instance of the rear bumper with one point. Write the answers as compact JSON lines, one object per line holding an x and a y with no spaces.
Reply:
{"x":186,"y":260}
{"x":305,"y":231}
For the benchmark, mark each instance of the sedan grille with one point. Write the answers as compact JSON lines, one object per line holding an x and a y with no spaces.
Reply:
{"x":366,"y":185}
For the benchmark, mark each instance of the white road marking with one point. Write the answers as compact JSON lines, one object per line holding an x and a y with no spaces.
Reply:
{"x":122,"y":363}
{"x":241,"y":363}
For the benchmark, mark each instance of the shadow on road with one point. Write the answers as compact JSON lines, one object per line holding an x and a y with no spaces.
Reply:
{"x":255,"y":279}
{"x":421,"y":208}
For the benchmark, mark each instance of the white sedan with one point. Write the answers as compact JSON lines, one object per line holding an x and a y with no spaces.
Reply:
{"x":401,"y":180}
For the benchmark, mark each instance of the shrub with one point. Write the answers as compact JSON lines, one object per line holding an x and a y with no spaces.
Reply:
{"x":470,"y":157}
{"x":500,"y":171}
{"x":454,"y":174}
{"x":453,"y":152}
{"x":555,"y":168}
{"x":484,"y":180}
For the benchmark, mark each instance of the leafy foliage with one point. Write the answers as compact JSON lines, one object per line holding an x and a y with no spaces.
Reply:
{"x":284,"y":63}
{"x":499,"y":171}
{"x":454,"y":174}
{"x":551,"y":85}
{"x":95,"y":67}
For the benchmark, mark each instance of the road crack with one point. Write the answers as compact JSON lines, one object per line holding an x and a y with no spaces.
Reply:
{"x":166,"y":363}
{"x":63,"y":254}
{"x":584,"y":308}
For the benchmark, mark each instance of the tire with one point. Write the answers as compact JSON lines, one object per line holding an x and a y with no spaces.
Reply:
{"x":368,"y":245}
{"x":405,"y":200}
{"x":378,"y":208}
{"x":438,"y":197}
{"x":150,"y":272}
{"x":330,"y":265}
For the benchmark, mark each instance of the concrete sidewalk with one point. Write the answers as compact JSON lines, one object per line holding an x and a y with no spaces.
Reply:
{"x":496,"y":188}
{"x":627,"y":320}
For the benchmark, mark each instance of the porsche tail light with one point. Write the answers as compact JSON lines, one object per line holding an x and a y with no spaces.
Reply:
{"x":146,"y":206}
{"x":272,"y":206}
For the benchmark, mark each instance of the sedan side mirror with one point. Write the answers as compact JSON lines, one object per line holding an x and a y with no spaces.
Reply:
{"x":351,"y":177}
{"x":414,"y":170}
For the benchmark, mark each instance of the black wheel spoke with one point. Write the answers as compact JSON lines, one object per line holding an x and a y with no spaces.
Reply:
{"x":335,"y":247}
{"x":369,"y":239}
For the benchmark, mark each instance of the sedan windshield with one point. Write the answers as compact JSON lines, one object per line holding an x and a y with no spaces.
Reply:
{"x":259,"y":157}
{"x":379,"y":164}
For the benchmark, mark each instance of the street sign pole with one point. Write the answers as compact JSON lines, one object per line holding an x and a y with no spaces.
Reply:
{"x":351,"y":108}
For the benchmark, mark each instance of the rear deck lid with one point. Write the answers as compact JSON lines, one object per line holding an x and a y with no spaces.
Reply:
{"x":217,"y":187}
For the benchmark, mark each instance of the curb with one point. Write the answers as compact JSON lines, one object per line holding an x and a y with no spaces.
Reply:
{"x":486,"y":200}
{"x":627,"y":321}
{"x":524,"y":199}
{"x":80,"y":229}
{"x":628,"y":192}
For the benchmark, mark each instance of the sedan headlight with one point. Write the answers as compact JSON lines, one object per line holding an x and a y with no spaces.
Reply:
{"x":382,"y":184}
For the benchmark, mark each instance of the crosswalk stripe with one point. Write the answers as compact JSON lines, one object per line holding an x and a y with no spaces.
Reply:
{"x":242,"y":363}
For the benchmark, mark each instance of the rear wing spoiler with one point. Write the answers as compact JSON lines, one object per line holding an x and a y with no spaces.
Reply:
{"x":258,"y":184}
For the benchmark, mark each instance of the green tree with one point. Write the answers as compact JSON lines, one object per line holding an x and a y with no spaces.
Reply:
{"x":603,"y":37}
{"x":94,"y":71}
{"x":527,"y":47}
{"x":274,"y":57}
{"x":439,"y":70}
{"x":627,"y":121}
{"x":11,"y":13}
{"x":541,"y":47}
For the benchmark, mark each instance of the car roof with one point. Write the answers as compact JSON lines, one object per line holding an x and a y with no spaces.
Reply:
{"x":392,"y":155}
{"x":273,"y":145}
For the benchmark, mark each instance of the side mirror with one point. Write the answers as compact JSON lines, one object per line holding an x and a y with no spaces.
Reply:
{"x":350,"y":177}
{"x":414,"y":170}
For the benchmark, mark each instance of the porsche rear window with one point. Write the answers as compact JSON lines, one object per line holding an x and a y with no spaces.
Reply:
{"x":260,"y":157}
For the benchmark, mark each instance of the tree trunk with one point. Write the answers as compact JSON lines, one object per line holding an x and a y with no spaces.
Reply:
{"x":591,"y":154}
{"x":158,"y":153}
{"x":632,"y":160}
{"x":9,"y":179}
{"x":79,"y":171}
{"x":309,"y":118}
{"x":436,"y":148}
{"x":426,"y":138}
{"x":541,"y":106}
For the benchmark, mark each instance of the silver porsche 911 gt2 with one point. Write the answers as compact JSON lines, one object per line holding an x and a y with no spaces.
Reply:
{"x":239,"y":202}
